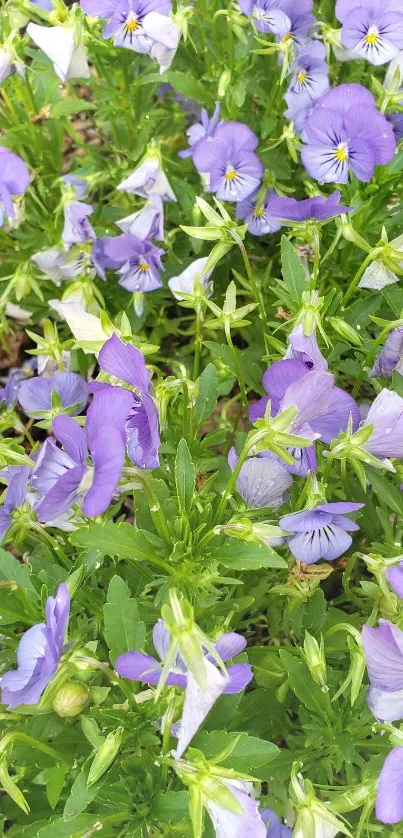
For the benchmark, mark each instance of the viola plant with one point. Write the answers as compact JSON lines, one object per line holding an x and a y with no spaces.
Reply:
{"x":201,"y":418}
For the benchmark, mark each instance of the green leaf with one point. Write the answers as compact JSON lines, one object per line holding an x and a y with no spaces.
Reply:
{"x":293,"y":271}
{"x":250,"y":370}
{"x":185,"y":476}
{"x":387,"y":492}
{"x":121,"y":540}
{"x":76,"y":828}
{"x":69,"y":107}
{"x":302,"y":684}
{"x":11,"y":570}
{"x":54,"y":784}
{"x":124,"y":632}
{"x":171,"y":806}
{"x":187,"y":85}
{"x":80,"y":796}
{"x":207,"y":394}
{"x":11,"y":788}
{"x":243,"y":555}
{"x":249,"y":752}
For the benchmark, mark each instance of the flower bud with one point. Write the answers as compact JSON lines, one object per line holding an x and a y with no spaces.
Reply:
{"x":315,"y":659}
{"x":70,"y":700}
{"x":105,"y":756}
{"x":223,"y":83}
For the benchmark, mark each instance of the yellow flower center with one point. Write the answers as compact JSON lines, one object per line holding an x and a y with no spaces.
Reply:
{"x":258,"y":213}
{"x":301,"y":77}
{"x":287,"y":37}
{"x":371,"y":38}
{"x":341,"y":153}
{"x":230,"y":174}
{"x":144,"y":266}
{"x":132,"y":25}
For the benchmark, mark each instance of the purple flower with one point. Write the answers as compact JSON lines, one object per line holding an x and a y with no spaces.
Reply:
{"x":148,"y":180}
{"x":64,"y":478}
{"x":12,"y":384}
{"x":343,"y":132}
{"x":35,"y":395}
{"x":77,"y":228}
{"x":291,"y":211}
{"x":304,"y":348}
{"x":129,"y":20}
{"x":77,"y":184}
{"x":9,"y":64}
{"x":147,"y":223}
{"x":141,"y":421}
{"x":301,"y":20}
{"x":386,"y":416}
{"x":235,"y":171}
{"x":389,"y":799}
{"x":15,"y":495}
{"x":394,"y":576}
{"x":38,"y":654}
{"x":383,"y":647}
{"x":14,"y":180}
{"x":310,"y":79}
{"x":396,"y":121}
{"x":275,"y":829}
{"x":138,"y":666}
{"x":262,"y":481}
{"x":257,"y":214}
{"x":321,"y":532}
{"x":390,"y":358}
{"x":267,"y":15}
{"x":230,"y":824}
{"x":138,"y":262}
{"x":373,"y":29}
{"x":202,"y":130}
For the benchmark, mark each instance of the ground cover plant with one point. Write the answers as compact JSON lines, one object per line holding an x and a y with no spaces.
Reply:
{"x":201,"y":571}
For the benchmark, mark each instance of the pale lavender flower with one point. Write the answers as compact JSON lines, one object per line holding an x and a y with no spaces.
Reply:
{"x":310,"y":80}
{"x":38,"y":654}
{"x":35,"y":395}
{"x":322,"y":532}
{"x":64,"y":477}
{"x":262,"y":481}
{"x":394,"y":576}
{"x":301,"y":21}
{"x":77,"y":229}
{"x":257,"y":214}
{"x":14,"y":180}
{"x":386,"y":417}
{"x":229,"y":824}
{"x":9,"y":65}
{"x":147,"y":223}
{"x":137,"y":262}
{"x":389,"y":799}
{"x":390,"y":358}
{"x":202,"y":130}
{"x":15,"y":495}
{"x":183,"y":285}
{"x":345,"y":131}
{"x":304,"y":348}
{"x":148,"y":180}
{"x":383,"y":647}
{"x":267,"y":16}
{"x":77,"y":184}
{"x":60,"y":44}
{"x":235,"y":170}
{"x":125,"y":362}
{"x":57,"y":264}
{"x":136,"y":24}
{"x":321,"y":209}
{"x":137,"y":666}
{"x":373,"y":29}
{"x":275,"y":829}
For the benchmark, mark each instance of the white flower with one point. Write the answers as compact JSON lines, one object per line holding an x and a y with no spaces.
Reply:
{"x":183,"y":285}
{"x":59,"y":43}
{"x":87,"y":329}
{"x":149,"y":180}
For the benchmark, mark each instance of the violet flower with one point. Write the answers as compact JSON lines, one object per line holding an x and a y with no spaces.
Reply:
{"x":141,"y":420}
{"x":235,"y":170}
{"x":267,"y":15}
{"x":373,"y":29}
{"x":275,"y":829}
{"x":64,"y":477}
{"x":321,"y":532}
{"x":310,"y":79}
{"x":390,"y":358}
{"x":396,"y":121}
{"x":262,"y":481}
{"x":148,"y":180}
{"x":77,"y":228}
{"x":257,"y":214}
{"x":38,"y":654}
{"x":394,"y":576}
{"x":202,"y":130}
{"x":77,"y":184}
{"x":183,"y":286}
{"x":35,"y":395}
{"x":9,"y":64}
{"x":147,"y":223}
{"x":301,"y":20}
{"x":134,"y":24}
{"x":321,"y":209}
{"x":60,"y":44}
{"x":345,"y":131}
{"x":14,"y":180}
{"x":383,"y":647}
{"x":57,"y":264}
{"x":389,"y":799}
{"x":138,"y":666}
{"x":304,"y":348}
{"x":386,"y":416}
{"x":230,"y":824}
{"x":137,"y":262}
{"x":15,"y":495}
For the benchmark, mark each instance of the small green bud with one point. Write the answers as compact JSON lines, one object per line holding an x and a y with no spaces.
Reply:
{"x":345,"y":331}
{"x":104,"y":758}
{"x":315,"y":659}
{"x":70,"y":700}
{"x":223,"y":83}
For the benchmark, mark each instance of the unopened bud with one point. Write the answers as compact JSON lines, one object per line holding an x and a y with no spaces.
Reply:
{"x":70,"y":700}
{"x":104,"y":758}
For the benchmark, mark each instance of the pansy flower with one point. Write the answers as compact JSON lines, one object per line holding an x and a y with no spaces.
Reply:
{"x":383,"y":647}
{"x":257,"y":214}
{"x":322,"y":532}
{"x":137,"y":25}
{"x":137,"y":261}
{"x":36,"y":395}
{"x":275,"y":829}
{"x":373,"y":29}
{"x":345,"y":131}
{"x":235,"y":170}
{"x":148,"y":180}
{"x":262,"y":481}
{"x":390,"y":358}
{"x":38,"y":654}
{"x":389,"y":798}
{"x":15,"y":496}
{"x":60,"y":44}
{"x":309,"y":79}
{"x":386,"y":417}
{"x":290,"y":211}
{"x":267,"y":15}
{"x":202,"y":130}
{"x":183,"y":286}
{"x":77,"y":229}
{"x":301,"y":20}
{"x":147,"y":223}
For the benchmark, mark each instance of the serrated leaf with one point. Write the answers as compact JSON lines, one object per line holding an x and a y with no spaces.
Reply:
{"x":121,"y":540}
{"x":248,"y":754}
{"x":123,"y":632}
{"x":80,"y":796}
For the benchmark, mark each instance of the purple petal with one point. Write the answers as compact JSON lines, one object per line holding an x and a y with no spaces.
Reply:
{"x":63,"y":494}
{"x":336,"y":419}
{"x":72,"y":437}
{"x":386,"y":416}
{"x":230,"y":645}
{"x":14,"y":174}
{"x":305,"y":348}
{"x":138,"y":667}
{"x":17,"y":487}
{"x":240,"y":675}
{"x":161,"y":638}
{"x":311,"y":394}
{"x":280,"y":375}
{"x":35,"y":394}
{"x":51,"y":463}
{"x":262,"y":482}
{"x":389,"y":800}
{"x":328,"y":543}
{"x":109,"y":408}
{"x":390,"y":357}
{"x":5,"y":522}
{"x":125,"y":362}
{"x":108,"y":457}
{"x":383,"y":647}
{"x":229,"y":824}
{"x":142,"y":428}
{"x":394,"y":576}
{"x":57,"y":618}
{"x":198,"y":703}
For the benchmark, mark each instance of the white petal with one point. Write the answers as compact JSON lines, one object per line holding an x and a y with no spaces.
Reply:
{"x":57,"y":42}
{"x":84,"y":326}
{"x":79,"y":65}
{"x":377,"y":276}
{"x":198,"y":703}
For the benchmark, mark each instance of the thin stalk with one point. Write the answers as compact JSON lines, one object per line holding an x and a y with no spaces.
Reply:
{"x":198,"y":339}
{"x":231,"y":348}
{"x":49,"y":540}
{"x":254,"y":286}
{"x":354,"y":282}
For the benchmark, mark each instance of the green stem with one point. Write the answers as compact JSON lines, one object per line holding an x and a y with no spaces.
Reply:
{"x":354,"y":282}
{"x":198,"y":339}
{"x":254,"y":286}
{"x":61,"y":555}
{"x":231,"y":347}
{"x":12,"y":735}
